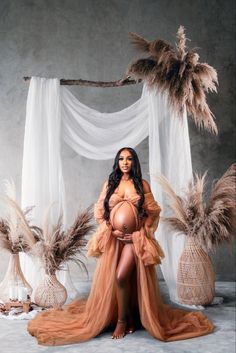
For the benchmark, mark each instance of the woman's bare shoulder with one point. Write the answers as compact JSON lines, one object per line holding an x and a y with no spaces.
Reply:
{"x":146,"y":186}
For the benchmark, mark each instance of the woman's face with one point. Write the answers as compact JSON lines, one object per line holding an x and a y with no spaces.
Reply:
{"x":125,"y":161}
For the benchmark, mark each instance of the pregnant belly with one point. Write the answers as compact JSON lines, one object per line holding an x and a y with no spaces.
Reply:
{"x":124,"y":217}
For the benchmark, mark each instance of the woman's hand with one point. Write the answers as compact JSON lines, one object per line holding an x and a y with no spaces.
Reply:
{"x":117,"y":234}
{"x":126,"y":239}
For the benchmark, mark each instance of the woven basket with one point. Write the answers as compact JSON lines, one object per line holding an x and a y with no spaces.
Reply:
{"x":13,"y":277}
{"x":195,"y":276}
{"x":50,"y":293}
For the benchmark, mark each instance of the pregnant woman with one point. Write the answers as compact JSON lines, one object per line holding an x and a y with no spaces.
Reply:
{"x":125,"y":288}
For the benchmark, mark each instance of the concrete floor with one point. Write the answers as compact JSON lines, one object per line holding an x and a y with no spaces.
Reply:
{"x":14,"y":337}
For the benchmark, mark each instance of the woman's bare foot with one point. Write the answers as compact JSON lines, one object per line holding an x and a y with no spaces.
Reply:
{"x":120,"y":329}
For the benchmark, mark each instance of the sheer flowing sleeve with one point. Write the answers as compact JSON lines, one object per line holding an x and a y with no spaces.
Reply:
{"x":97,"y":244}
{"x":146,"y":246}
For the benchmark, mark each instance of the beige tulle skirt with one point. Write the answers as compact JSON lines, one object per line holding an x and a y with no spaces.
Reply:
{"x":86,"y":318}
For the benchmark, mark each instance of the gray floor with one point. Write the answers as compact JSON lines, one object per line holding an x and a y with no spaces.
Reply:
{"x":14,"y":337}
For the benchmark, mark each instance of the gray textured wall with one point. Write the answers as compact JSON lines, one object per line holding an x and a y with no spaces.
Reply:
{"x":89,"y":39}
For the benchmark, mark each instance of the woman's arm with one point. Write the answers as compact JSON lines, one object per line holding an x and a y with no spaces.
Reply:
{"x":150,"y":217}
{"x":146,"y":187}
{"x":99,"y":210}
{"x":97,"y":244}
{"x":146,"y":246}
{"x":98,"y":206}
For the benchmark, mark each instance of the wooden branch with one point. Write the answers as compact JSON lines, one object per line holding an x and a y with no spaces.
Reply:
{"x":123,"y":82}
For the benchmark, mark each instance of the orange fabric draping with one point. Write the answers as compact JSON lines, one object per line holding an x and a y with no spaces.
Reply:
{"x":86,"y":318}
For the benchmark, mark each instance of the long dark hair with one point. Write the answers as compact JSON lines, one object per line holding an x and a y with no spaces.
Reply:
{"x":115,"y":177}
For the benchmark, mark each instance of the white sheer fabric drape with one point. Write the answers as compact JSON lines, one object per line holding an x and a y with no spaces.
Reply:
{"x":98,"y":135}
{"x":42,"y":179}
{"x":169,"y":155}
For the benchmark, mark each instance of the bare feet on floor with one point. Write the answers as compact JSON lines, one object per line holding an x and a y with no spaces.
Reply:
{"x":120,"y":329}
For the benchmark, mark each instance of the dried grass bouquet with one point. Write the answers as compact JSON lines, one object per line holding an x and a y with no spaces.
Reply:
{"x":56,"y":246}
{"x":178,"y":71}
{"x":209,"y":224}
{"x":16,"y":233}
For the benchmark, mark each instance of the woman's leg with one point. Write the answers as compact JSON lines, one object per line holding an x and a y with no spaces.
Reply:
{"x":124,"y":270}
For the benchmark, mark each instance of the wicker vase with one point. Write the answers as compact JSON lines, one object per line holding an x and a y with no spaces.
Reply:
{"x":13,"y":277}
{"x":50,"y":292}
{"x":195,"y":276}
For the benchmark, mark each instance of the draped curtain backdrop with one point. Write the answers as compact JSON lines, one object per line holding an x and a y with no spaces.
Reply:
{"x":53,"y":113}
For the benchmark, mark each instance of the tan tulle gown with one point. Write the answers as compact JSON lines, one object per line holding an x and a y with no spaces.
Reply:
{"x":86,"y":318}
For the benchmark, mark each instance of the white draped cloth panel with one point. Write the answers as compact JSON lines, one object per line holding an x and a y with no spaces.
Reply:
{"x":98,"y":135}
{"x":53,"y":112}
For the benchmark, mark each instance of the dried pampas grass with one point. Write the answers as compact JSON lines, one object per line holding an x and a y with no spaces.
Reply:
{"x":16,"y":234}
{"x":212,"y":223}
{"x":56,"y":246}
{"x":178,"y":71}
